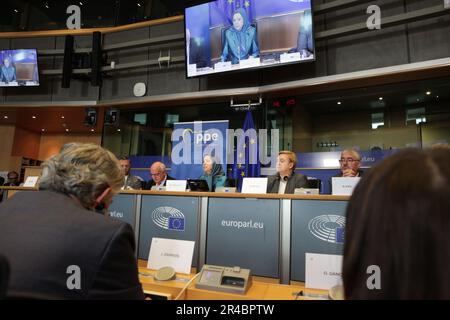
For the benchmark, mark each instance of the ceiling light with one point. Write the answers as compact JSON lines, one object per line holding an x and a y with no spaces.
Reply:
{"x":92,"y":130}
{"x":42,"y":129}
{"x":67,"y":130}
{"x":380,"y":98}
{"x":118,"y":130}
{"x":339,"y":103}
{"x":428,"y":93}
{"x":34,"y":117}
{"x":62,"y":117}
{"x":5,"y":117}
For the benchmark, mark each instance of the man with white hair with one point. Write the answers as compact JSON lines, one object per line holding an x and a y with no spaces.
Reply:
{"x":57,"y":244}
{"x":158,"y":173}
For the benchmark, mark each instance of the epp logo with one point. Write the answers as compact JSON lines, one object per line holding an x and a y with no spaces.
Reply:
{"x":168,"y":218}
{"x":329,"y":228}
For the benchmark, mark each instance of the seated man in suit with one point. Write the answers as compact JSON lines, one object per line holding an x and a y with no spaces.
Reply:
{"x":286,"y":180}
{"x":129,"y":181}
{"x":350,"y":162}
{"x":12,"y":179}
{"x":73,"y":251}
{"x":158,"y":172}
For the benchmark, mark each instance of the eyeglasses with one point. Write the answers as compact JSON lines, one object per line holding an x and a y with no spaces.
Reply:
{"x":156,"y":174}
{"x":348,"y":160}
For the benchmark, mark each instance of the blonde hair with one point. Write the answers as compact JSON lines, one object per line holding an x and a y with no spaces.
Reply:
{"x":83,"y":170}
{"x":291,"y":156}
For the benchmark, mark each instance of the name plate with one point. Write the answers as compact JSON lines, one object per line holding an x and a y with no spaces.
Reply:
{"x":254,"y":185}
{"x":323,"y":271}
{"x":171,"y":253}
{"x":250,"y":62}
{"x":192,"y":69}
{"x":222,"y":66}
{"x":176,"y":185}
{"x":289,"y":57}
{"x":344,"y":186}
{"x":31,"y":181}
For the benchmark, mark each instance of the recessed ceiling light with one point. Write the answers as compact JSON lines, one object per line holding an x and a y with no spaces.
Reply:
{"x":139,"y":4}
{"x":437,"y":97}
{"x":67,"y":130}
{"x":47,"y":6}
{"x":339,"y":103}
{"x":62,"y":117}
{"x":118,"y":130}
{"x":418,"y":99}
{"x":15,"y":10}
{"x":5,"y":117}
{"x":92,"y":130}
{"x":34,"y":117}
{"x":428,"y":93}
{"x":42,"y":129}
{"x":380,"y":98}
{"x":81,"y":3}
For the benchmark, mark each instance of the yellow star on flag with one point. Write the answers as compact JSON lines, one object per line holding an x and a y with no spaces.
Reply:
{"x":247,"y":4}
{"x":239,"y":166}
{"x":243,"y":174}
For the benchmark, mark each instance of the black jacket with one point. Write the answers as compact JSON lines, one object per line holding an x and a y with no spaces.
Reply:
{"x":296,"y":180}
{"x":147,"y":185}
{"x":44,"y":233}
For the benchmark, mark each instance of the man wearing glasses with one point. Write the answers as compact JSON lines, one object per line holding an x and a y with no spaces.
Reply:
{"x":350,"y":162}
{"x":158,"y":172}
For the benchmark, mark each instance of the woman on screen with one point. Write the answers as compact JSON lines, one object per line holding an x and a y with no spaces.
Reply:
{"x":8,"y":72}
{"x":213,"y":173}
{"x":239,"y":40}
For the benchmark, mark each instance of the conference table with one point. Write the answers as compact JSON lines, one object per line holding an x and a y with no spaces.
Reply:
{"x":266,"y":233}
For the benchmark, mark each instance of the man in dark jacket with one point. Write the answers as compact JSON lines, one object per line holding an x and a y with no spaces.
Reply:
{"x":57,"y":246}
{"x":285,"y":181}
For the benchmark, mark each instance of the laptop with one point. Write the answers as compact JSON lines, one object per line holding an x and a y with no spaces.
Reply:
{"x":197,"y":185}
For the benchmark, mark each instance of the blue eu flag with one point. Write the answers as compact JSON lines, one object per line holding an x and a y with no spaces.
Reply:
{"x":242,"y":168}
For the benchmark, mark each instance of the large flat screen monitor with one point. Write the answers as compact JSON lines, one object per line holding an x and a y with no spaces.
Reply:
{"x":230,"y":35}
{"x":18,"y":68}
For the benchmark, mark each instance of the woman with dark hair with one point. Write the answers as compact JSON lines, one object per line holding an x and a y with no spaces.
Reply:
{"x":213,"y":173}
{"x":397,"y":242}
{"x":240,"y":39}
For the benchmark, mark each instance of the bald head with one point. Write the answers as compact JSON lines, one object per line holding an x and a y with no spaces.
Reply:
{"x":158,"y":172}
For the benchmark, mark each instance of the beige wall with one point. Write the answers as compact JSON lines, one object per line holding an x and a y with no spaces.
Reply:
{"x":52,"y":143}
{"x":26,"y":144}
{"x":6,"y":144}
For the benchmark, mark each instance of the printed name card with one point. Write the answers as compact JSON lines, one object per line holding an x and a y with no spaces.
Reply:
{"x":254,"y":185}
{"x":31,"y":181}
{"x":250,"y":62}
{"x":289,"y":57}
{"x":323,"y":271}
{"x":222,"y":66}
{"x":176,"y":185}
{"x":343,"y":186}
{"x":171,"y":253}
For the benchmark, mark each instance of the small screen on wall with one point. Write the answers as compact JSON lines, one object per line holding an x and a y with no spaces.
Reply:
{"x":18,"y":68}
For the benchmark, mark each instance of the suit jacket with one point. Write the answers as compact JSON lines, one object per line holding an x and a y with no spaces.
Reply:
{"x":44,"y":234}
{"x":296,"y":180}
{"x":147,"y":185}
{"x":133,"y":182}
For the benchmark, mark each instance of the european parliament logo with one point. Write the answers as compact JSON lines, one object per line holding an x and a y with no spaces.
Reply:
{"x":329,"y":228}
{"x":168,"y":218}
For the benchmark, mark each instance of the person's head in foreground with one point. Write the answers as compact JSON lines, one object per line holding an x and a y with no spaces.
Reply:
{"x":87,"y":173}
{"x":397,"y":242}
